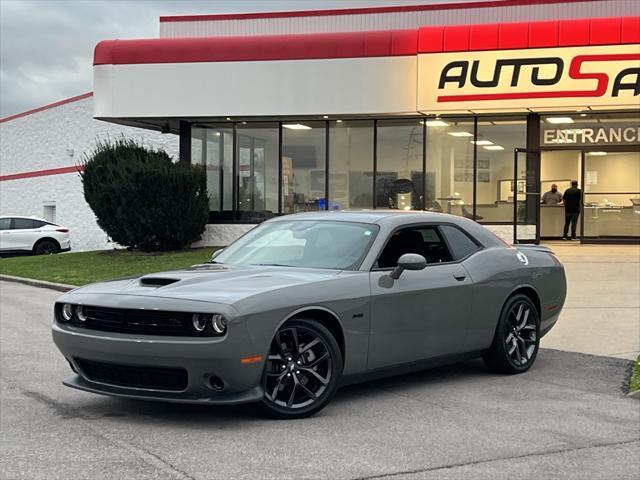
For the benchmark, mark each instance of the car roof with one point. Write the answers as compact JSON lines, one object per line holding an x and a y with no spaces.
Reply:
{"x":378,"y":216}
{"x":392,"y":219}
{"x":26,"y":218}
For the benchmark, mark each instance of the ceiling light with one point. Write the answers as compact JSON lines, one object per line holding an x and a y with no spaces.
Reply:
{"x":482,"y":142}
{"x":460,"y":134}
{"x":228,"y":118}
{"x":494,"y":147}
{"x":296,"y":126}
{"x":597,"y":154}
{"x":556,"y":120}
{"x":338,"y":121}
{"x":436,"y":123}
{"x":325,"y":116}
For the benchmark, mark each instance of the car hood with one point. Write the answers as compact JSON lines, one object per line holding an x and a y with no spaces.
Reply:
{"x":210,"y":282}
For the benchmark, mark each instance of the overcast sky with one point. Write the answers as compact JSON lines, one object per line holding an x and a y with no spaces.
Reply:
{"x":46,"y":46}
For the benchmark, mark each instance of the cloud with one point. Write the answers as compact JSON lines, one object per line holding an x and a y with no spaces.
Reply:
{"x":46,"y":46}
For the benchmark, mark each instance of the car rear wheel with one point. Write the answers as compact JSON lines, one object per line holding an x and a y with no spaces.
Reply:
{"x":517,"y":338}
{"x":46,"y":247}
{"x":302,"y":371}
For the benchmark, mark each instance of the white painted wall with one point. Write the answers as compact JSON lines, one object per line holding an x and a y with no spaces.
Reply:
{"x":56,"y":138}
{"x":372,"y":85}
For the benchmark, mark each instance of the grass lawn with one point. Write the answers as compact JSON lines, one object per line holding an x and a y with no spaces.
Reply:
{"x":86,"y":267}
{"x":634,"y":384}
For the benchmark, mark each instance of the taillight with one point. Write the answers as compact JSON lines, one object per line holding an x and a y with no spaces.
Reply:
{"x":62,"y":230}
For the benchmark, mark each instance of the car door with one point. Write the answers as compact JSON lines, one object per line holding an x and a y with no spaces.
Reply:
{"x":424,"y":313}
{"x":5,"y":233}
{"x":23,"y":234}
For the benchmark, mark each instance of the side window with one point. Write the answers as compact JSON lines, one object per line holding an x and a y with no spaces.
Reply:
{"x":38,"y":223}
{"x":425,"y":241}
{"x":22,"y":223}
{"x":5,"y":223}
{"x":461,"y":245}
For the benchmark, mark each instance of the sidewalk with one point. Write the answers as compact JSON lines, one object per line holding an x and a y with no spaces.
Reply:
{"x":602,"y":312}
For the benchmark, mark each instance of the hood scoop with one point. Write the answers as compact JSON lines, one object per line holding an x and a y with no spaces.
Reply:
{"x":157,"y":281}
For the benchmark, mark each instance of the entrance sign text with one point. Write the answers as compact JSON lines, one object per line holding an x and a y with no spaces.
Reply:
{"x":591,"y":136}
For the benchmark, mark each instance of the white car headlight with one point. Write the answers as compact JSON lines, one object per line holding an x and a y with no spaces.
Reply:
{"x":200,"y":321}
{"x":218,"y":323}
{"x":66,"y":312}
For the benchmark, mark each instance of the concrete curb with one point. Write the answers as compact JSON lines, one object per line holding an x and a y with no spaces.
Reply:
{"x":61,"y":287}
{"x":635,"y":394}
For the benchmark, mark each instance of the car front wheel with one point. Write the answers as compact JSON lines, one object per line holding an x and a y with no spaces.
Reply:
{"x":302,"y":370}
{"x":517,"y":338}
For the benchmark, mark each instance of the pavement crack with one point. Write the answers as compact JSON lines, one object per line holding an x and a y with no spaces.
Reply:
{"x":139,"y":452}
{"x":498,"y":459}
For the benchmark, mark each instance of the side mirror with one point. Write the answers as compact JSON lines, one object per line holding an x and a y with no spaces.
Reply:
{"x":408,"y":261}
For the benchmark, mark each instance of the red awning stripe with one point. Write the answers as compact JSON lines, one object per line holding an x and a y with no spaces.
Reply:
{"x":268,"y":47}
{"x":42,"y":173}
{"x":453,"y":38}
{"x":520,"y":35}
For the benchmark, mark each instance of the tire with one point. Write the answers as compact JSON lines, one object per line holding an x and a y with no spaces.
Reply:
{"x":517,"y":339}
{"x":46,"y":247}
{"x":302,"y":371}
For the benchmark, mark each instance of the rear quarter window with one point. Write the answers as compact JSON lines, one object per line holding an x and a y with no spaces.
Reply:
{"x":22,"y":223}
{"x":460,"y":243}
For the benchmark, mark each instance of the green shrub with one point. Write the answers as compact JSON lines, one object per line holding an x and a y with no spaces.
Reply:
{"x":142,"y":199}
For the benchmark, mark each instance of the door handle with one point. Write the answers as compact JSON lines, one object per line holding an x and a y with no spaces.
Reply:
{"x":460,"y":276}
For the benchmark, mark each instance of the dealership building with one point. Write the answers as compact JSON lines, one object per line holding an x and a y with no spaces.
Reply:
{"x":471,"y":108}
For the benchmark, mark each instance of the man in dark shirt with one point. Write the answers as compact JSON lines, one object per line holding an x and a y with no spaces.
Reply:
{"x":572,"y":198}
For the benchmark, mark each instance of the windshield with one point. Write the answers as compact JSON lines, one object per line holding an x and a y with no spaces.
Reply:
{"x":302,"y":243}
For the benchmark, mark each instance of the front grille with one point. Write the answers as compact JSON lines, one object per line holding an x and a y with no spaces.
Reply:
{"x":148,"y":322}
{"x":155,"y":378}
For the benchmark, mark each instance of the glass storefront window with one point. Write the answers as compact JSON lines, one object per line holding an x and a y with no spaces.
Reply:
{"x":399,"y":175}
{"x":450,"y":166}
{"x":212,"y":146}
{"x":257,"y":164}
{"x":495,"y":188}
{"x":351,"y":164}
{"x":611,"y":194}
{"x":303,"y":166}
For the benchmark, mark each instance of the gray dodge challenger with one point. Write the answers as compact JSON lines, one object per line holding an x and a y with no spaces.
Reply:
{"x":305,"y":303}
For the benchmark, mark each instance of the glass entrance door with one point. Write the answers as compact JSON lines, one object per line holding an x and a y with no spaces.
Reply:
{"x":525,"y":196}
{"x":611,"y":182}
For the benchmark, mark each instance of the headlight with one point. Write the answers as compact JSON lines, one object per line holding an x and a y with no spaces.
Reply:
{"x":67,"y":312}
{"x":218,"y":323}
{"x":82,"y":313}
{"x":200,"y":321}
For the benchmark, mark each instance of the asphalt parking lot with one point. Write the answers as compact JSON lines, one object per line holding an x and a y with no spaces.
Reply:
{"x":568,"y":417}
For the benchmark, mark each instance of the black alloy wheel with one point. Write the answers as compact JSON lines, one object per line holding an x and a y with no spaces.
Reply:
{"x":302,"y":370}
{"x":46,"y":247}
{"x":517,"y":338}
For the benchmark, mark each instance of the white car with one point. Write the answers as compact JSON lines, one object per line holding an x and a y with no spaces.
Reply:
{"x":30,"y":234}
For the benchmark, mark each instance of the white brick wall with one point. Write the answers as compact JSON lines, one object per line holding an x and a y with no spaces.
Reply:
{"x":55,"y":138}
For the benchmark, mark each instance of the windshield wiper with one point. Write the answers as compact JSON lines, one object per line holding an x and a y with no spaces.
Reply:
{"x":214,"y":261}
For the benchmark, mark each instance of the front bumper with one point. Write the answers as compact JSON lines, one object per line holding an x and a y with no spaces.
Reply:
{"x":201,"y":358}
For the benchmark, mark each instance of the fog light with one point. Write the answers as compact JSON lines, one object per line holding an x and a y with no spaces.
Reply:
{"x":218,"y":323}
{"x":200,"y":321}
{"x":67,"y":312}
{"x":216,"y":383}
{"x":82,"y":313}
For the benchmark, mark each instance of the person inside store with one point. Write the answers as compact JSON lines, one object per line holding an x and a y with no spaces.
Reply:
{"x":572,"y":198}
{"x":553,"y":196}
